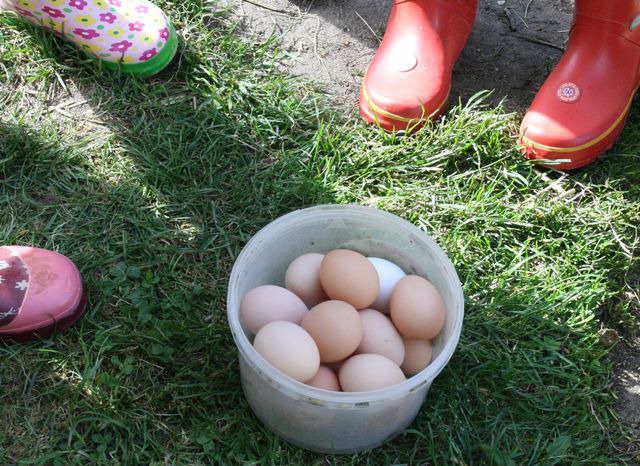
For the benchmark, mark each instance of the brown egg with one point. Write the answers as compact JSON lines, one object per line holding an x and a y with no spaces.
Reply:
{"x":364,"y":372}
{"x":325,"y":379}
{"x":335,"y":327}
{"x":288,"y":348}
{"x":379,"y":336}
{"x":349,"y":276}
{"x":270,"y":303}
{"x":417,"y":356}
{"x":303,"y":279}
{"x":417,"y":309}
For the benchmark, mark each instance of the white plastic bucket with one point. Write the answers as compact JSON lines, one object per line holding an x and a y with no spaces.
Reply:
{"x":321,"y":420}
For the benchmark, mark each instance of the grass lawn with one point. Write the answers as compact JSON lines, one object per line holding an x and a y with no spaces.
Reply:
{"x":153,"y":187}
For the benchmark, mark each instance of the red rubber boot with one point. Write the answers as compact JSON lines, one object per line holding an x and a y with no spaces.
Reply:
{"x":581,"y":109}
{"x":409,"y":79}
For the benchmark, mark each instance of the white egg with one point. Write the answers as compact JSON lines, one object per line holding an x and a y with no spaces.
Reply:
{"x":388,"y":274}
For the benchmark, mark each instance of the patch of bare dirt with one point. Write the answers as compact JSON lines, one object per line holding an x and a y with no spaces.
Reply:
{"x":626,"y":378}
{"x":513,"y":47}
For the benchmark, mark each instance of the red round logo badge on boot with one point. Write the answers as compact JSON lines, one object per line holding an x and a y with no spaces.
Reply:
{"x":569,"y":93}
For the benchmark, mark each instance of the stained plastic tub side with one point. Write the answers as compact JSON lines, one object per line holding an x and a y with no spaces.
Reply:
{"x":320,"y":420}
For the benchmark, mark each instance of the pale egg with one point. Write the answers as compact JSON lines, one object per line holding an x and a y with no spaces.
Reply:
{"x":288,"y":348}
{"x":270,"y":303}
{"x":417,"y":356}
{"x":388,"y":275}
{"x":349,"y":276}
{"x":303,"y":279}
{"x":335,"y":327}
{"x":379,"y":336}
{"x":325,"y":379}
{"x":417,"y":309}
{"x":364,"y":372}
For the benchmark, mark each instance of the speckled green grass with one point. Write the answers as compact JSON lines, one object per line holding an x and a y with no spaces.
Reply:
{"x":153,"y":187}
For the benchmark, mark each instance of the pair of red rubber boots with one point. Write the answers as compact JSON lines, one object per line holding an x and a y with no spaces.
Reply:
{"x":577,"y":114}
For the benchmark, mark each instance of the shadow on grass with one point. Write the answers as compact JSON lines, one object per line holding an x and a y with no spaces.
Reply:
{"x":154,"y":221}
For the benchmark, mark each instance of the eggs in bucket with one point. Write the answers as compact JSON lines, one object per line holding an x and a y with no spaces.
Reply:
{"x":343,"y":327}
{"x":343,"y":421}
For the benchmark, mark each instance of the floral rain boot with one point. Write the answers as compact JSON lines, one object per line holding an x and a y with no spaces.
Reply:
{"x":41,"y":293}
{"x":133,"y":35}
{"x":409,"y":80}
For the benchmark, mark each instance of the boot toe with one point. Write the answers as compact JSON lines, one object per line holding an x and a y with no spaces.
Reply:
{"x":398,"y":100}
{"x":570,"y":138}
{"x":52,"y":292}
{"x":135,"y":37}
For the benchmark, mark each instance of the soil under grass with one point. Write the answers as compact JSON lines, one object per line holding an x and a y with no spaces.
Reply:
{"x":153,"y":187}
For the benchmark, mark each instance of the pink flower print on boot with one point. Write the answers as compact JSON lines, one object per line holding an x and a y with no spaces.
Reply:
{"x":23,"y":12}
{"x":87,"y":34}
{"x":148,"y":54}
{"x":78,"y":4}
{"x":109,"y":18}
{"x":41,"y":293}
{"x":120,"y":46}
{"x":133,"y":36}
{"x":136,"y":26}
{"x":53,"y":12}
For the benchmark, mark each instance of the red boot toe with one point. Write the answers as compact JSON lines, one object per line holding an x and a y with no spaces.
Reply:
{"x":581,"y":109}
{"x":409,"y":79}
